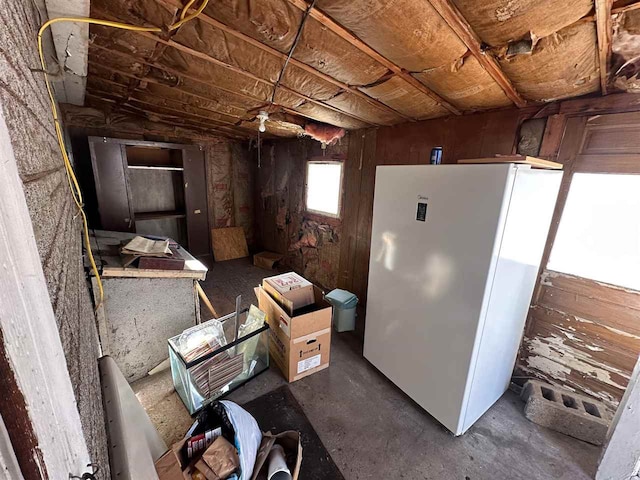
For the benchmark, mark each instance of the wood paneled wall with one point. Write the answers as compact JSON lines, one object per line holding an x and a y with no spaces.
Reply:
{"x":479,"y":135}
{"x":583,"y":334}
{"x":580,"y":334}
{"x":311,"y":243}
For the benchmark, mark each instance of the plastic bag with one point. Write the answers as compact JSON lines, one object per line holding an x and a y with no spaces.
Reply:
{"x":238,"y":426}
{"x":247,"y":437}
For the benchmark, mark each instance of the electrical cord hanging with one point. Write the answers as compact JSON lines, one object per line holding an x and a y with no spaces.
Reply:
{"x":71,"y":176}
{"x":291,"y":50}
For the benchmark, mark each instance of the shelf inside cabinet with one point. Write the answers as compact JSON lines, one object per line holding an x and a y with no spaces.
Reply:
{"x":154,"y":167}
{"x":141,"y":216}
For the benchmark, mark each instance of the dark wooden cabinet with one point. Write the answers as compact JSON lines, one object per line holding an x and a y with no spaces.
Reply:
{"x":152,"y":188}
{"x":110,"y":174}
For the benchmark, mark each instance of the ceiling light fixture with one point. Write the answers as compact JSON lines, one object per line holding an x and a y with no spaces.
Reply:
{"x":263,"y":117}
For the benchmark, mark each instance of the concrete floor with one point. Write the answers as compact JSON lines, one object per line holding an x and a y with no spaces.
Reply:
{"x":371,"y":428}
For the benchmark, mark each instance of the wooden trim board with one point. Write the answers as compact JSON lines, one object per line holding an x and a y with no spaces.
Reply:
{"x":533,"y":161}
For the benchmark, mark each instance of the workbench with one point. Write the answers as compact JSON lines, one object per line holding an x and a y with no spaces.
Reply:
{"x":142,"y":308}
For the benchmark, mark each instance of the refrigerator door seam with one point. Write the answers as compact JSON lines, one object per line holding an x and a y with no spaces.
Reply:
{"x":485,"y":313}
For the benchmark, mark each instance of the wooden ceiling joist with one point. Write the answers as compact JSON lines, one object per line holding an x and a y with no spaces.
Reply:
{"x":604,"y":28}
{"x":240,"y":71}
{"x":181,"y":121}
{"x":303,"y":66}
{"x":179,"y":74}
{"x":363,"y":47}
{"x":452,"y":17}
{"x":176,"y":88}
{"x":626,"y":8}
{"x":232,"y":121}
{"x":156,"y":109}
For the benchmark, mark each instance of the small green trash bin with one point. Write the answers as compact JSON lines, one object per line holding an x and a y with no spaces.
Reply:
{"x":344,"y":309}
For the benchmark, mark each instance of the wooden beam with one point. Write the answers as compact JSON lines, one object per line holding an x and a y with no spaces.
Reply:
{"x":240,"y":71}
{"x":233,"y":68}
{"x":193,"y":120}
{"x":175,"y":88}
{"x":216,"y":121}
{"x":604,"y":28}
{"x":617,"y":103}
{"x":209,"y":85}
{"x":364,"y":48}
{"x":99,"y":120}
{"x":454,"y":18}
{"x":106,"y":97}
{"x":307,"y":68}
{"x":626,"y":8}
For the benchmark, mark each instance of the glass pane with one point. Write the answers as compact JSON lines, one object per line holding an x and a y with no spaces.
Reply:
{"x":599,"y":233}
{"x":323,"y":187}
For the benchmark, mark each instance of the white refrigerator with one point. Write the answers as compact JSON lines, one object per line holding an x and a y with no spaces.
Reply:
{"x":455,"y":251}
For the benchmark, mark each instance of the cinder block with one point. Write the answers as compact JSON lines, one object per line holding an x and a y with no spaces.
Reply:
{"x":566,"y":412}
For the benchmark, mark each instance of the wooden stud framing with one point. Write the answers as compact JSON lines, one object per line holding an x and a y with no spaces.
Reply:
{"x":307,"y":68}
{"x":452,"y":17}
{"x":363,"y":47}
{"x":604,"y":29}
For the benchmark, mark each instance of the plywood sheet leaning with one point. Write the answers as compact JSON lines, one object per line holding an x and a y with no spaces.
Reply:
{"x":229,"y":243}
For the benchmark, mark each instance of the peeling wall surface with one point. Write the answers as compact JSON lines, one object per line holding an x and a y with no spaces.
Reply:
{"x":57,"y":227}
{"x":583,"y":334}
{"x":310,"y":242}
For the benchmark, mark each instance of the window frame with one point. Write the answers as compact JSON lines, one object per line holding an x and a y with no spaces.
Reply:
{"x":317,"y":161}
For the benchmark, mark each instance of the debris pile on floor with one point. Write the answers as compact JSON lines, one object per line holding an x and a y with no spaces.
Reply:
{"x":225,"y":443}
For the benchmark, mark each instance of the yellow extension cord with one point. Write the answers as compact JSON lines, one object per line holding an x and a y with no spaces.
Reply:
{"x":71,"y":177}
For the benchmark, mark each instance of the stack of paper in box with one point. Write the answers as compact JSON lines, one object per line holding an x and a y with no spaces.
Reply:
{"x":300,"y":321}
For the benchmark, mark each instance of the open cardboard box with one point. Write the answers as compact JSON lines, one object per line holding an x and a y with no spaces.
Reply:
{"x":292,"y":291}
{"x":300,"y":345}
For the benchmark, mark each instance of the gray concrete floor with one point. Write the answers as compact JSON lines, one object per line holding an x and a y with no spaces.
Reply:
{"x":371,"y":428}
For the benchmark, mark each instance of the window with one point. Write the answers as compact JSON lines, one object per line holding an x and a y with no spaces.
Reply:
{"x":599,"y":233}
{"x":324,"y":181}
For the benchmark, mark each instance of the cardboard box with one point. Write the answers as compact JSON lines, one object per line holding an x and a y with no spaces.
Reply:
{"x":169,"y":466}
{"x":290,"y":442}
{"x":290,"y":290}
{"x":267,"y":260}
{"x":299,"y":345}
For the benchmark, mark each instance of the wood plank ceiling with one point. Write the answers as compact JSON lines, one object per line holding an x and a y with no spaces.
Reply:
{"x":358,"y":63}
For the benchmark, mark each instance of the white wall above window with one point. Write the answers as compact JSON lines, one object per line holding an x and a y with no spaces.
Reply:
{"x":599,"y":233}
{"x":324,"y":182}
